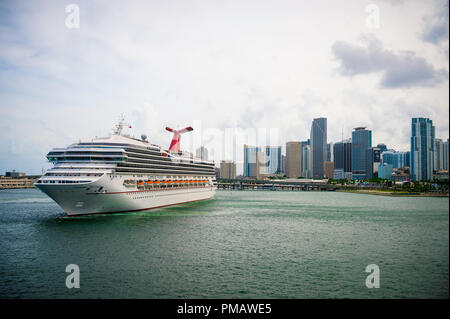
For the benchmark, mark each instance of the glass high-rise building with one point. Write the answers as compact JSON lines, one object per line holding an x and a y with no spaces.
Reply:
{"x":270,"y":163}
{"x":445,"y":155}
{"x":318,"y":146}
{"x":330,"y":152}
{"x":343,"y":156}
{"x":306,"y":161}
{"x":389,"y":157}
{"x":250,"y":160}
{"x":438,"y":156}
{"x":385,"y":170}
{"x":361,"y":141}
{"x":305,"y":158}
{"x":373,"y":160}
{"x":396,"y":159}
{"x":273,"y":159}
{"x":202,"y":153}
{"x":408,"y":159}
{"x":422,"y":149}
{"x":283,"y":164}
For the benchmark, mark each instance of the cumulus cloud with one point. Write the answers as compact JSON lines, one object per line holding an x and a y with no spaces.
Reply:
{"x":399,"y":69}
{"x":436,"y":26}
{"x":222,"y":64}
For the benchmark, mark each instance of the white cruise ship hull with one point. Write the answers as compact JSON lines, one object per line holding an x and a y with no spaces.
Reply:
{"x":120,"y":173}
{"x":86,"y":199}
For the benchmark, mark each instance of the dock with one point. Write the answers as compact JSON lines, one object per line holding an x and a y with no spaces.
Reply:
{"x":17,"y":182}
{"x":276,"y":185}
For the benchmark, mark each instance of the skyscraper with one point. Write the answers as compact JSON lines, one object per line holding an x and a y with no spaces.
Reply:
{"x":202,"y":153}
{"x":342,"y":159}
{"x":330,"y":152}
{"x":408,"y":158}
{"x":283,"y":164}
{"x":266,"y":163}
{"x":361,"y":141}
{"x":228,"y":169}
{"x":261,"y":165}
{"x":272,"y":159}
{"x":385,"y":170}
{"x":396,"y":159}
{"x":293,"y":159}
{"x":328,"y":169}
{"x":306,"y":161}
{"x":250,"y":160}
{"x":318,"y":146}
{"x":445,"y":155}
{"x":422,"y":149}
{"x":438,"y":156}
{"x":373,"y":160}
{"x":305,"y":155}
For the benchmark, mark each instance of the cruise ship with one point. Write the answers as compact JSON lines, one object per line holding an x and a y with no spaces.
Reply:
{"x":120,"y":173}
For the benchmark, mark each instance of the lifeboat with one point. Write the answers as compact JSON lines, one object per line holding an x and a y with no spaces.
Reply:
{"x":129,"y":183}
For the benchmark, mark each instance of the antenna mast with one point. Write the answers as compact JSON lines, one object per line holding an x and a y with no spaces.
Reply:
{"x":120,"y":125}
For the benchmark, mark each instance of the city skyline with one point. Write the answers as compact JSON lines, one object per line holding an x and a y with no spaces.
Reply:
{"x":203,"y":151}
{"x":356,"y":158}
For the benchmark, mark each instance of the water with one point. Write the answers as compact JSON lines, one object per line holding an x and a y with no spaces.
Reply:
{"x":242,"y":244}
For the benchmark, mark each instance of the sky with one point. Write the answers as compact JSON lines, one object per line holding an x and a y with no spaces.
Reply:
{"x":69,"y":69}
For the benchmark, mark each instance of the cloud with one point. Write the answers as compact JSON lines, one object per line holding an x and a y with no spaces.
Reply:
{"x":222,"y":64}
{"x":401,"y":69}
{"x":436,"y":26}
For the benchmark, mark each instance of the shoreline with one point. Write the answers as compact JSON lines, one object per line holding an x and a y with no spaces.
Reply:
{"x":391,"y":194}
{"x":28,"y":187}
{"x":354,"y":191}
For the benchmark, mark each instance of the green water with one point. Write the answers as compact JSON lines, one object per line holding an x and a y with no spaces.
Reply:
{"x":242,"y":244}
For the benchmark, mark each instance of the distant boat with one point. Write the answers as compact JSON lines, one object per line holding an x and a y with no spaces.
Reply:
{"x":124,"y":174}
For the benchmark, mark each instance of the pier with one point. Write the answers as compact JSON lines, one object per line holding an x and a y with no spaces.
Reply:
{"x":17,"y":182}
{"x":275,"y":185}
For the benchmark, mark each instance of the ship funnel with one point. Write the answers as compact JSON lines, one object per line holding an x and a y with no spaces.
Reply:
{"x":175,"y":144}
